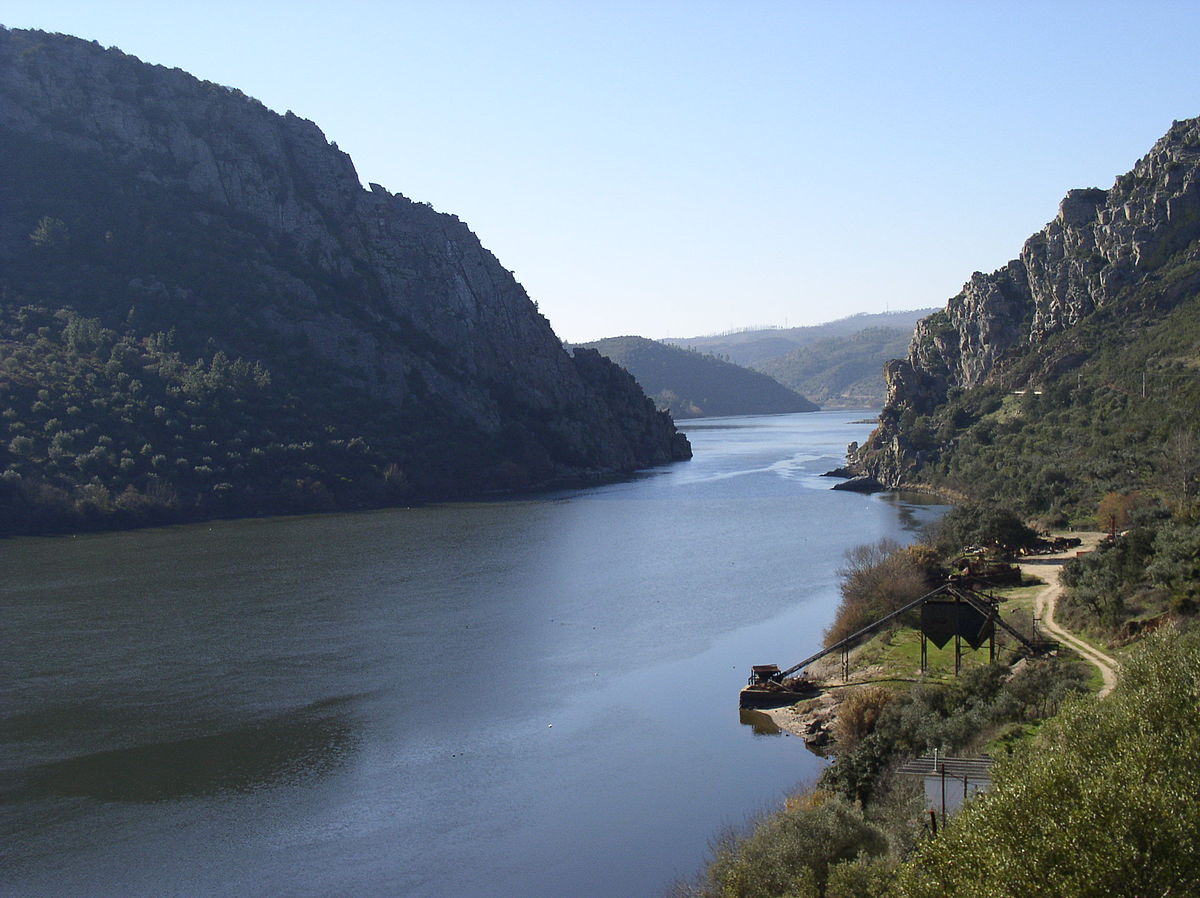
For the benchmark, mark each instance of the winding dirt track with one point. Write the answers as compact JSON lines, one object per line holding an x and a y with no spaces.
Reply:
{"x":1048,"y":568}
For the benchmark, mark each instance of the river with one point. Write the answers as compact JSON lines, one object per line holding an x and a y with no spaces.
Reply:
{"x":527,"y":697}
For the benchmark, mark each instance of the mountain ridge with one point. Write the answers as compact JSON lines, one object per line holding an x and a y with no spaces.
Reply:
{"x":748,"y":345}
{"x":148,"y":200}
{"x":837,"y":364}
{"x":1087,"y":296}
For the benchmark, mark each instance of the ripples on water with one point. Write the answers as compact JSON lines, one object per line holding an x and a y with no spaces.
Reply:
{"x":530,"y":697}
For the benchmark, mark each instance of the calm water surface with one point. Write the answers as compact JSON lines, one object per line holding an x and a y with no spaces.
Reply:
{"x":519,"y":698}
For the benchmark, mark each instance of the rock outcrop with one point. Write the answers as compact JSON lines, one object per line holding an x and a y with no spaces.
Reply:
{"x":1101,"y":244}
{"x":289,"y":256}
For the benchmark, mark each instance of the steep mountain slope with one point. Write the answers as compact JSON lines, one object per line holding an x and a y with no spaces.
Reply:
{"x":1096,"y":324}
{"x":176,"y":225}
{"x":691,"y":385}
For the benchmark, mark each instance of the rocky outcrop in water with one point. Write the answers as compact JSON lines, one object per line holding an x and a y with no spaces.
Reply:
{"x":1101,"y":245}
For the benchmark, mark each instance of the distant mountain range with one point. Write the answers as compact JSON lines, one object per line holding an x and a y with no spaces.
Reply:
{"x":838,"y":364}
{"x":768,"y":371}
{"x":748,"y":347}
{"x":691,"y":384}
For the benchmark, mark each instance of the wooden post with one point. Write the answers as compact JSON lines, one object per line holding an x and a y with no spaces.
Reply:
{"x":943,"y":795}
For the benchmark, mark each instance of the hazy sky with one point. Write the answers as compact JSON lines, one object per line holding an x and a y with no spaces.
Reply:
{"x":680,"y":168}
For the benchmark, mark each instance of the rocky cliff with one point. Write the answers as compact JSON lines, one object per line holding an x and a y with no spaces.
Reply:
{"x":1101,"y":249}
{"x":152,"y":200}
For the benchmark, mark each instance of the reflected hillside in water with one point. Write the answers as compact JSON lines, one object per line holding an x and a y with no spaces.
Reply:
{"x":286,"y":749}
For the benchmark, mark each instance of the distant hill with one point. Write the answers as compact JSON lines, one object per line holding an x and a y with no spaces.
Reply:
{"x":837,"y":364}
{"x":691,"y":384}
{"x":749,"y":347}
{"x":844,"y":371}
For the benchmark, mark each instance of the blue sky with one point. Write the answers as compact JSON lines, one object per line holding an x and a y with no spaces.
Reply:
{"x":681,"y":168}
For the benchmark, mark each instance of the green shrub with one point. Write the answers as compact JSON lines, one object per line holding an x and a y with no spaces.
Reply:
{"x":1102,"y":803}
{"x":789,"y":853}
{"x":983,"y":525}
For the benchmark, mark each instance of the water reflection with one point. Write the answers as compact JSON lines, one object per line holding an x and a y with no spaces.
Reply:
{"x":762,"y":724}
{"x":288,"y":748}
{"x":912,"y":507}
{"x":158,"y":732}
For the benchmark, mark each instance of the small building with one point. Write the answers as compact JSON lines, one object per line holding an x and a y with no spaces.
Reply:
{"x":950,"y":781}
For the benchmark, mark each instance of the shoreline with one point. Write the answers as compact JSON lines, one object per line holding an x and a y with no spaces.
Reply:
{"x":814,"y":719}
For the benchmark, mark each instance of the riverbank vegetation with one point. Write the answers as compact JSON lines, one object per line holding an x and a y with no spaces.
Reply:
{"x":1107,"y":406}
{"x":108,"y":427}
{"x":1089,"y":796}
{"x":103,"y":428}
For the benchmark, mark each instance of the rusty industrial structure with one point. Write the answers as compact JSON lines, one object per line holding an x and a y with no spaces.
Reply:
{"x":952,"y":611}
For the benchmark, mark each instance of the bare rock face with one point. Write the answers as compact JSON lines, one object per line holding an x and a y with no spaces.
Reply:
{"x":1101,"y":243}
{"x":396,"y":299}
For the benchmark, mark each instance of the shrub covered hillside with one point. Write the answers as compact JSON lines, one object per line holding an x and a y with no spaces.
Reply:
{"x":1073,"y":371}
{"x":838,"y":364}
{"x":841,"y":371}
{"x":203,"y":312}
{"x":105,"y":429}
{"x":1051,"y":443}
{"x":1104,"y":804}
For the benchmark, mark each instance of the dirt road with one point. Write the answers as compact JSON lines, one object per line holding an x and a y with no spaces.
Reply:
{"x":1048,"y":568}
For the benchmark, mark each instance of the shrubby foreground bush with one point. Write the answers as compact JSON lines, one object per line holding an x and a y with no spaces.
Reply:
{"x":792,"y":852}
{"x":1103,"y":803}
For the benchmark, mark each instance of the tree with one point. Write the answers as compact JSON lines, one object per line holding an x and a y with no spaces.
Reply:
{"x":983,"y":525}
{"x":1117,"y":510}
{"x":1176,"y":563}
{"x":878,"y":578}
{"x":790,"y":852}
{"x":1180,"y":466}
